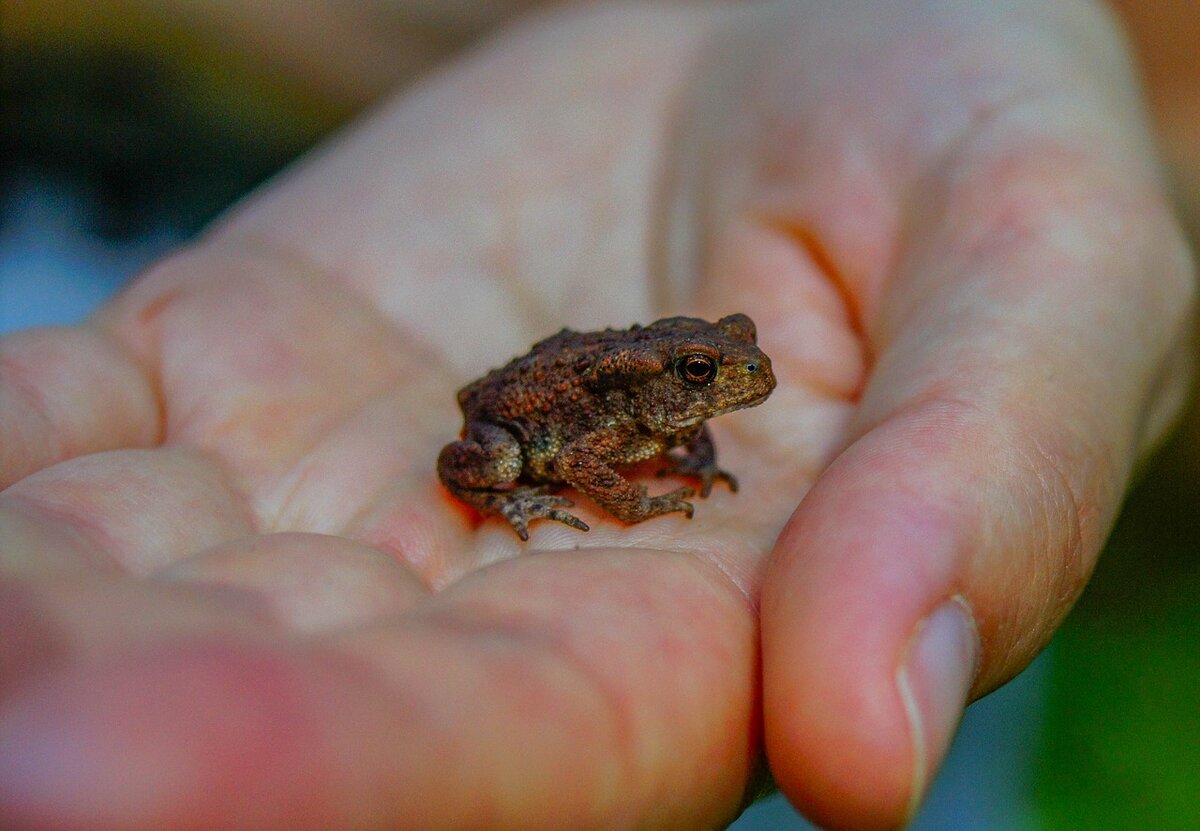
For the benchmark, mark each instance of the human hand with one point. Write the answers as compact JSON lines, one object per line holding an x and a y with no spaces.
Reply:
{"x":257,"y":605}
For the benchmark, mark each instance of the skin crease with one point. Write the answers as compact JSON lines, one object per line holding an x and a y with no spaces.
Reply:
{"x":235,"y":595}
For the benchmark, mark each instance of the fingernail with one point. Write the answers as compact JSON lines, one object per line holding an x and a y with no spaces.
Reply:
{"x":934,"y":680}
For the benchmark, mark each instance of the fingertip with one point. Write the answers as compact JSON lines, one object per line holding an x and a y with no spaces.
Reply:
{"x":837,"y":742}
{"x":867,"y":661}
{"x":838,"y":756}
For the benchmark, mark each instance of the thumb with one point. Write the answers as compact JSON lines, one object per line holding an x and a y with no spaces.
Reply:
{"x":936,"y":555}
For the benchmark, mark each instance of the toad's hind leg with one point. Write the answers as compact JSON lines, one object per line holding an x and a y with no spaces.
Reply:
{"x":481,"y":469}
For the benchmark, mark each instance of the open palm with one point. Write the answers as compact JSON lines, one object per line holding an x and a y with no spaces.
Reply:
{"x":241,"y":598}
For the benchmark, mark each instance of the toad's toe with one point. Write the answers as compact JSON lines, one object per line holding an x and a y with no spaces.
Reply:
{"x":522,"y":506}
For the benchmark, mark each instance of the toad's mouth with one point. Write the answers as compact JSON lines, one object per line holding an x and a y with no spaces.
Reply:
{"x":694,"y":420}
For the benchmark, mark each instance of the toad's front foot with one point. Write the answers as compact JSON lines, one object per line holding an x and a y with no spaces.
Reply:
{"x":520,"y":505}
{"x":706,"y":471}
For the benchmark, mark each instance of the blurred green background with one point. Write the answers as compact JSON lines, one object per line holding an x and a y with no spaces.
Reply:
{"x":1120,"y":745}
{"x":163,"y":113}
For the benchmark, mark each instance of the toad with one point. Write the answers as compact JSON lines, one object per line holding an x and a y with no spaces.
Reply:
{"x":579,"y":404}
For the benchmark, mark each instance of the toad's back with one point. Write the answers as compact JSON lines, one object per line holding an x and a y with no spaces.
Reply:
{"x":546,"y":385}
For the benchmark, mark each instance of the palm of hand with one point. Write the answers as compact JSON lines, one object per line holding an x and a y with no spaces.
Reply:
{"x":305,"y":361}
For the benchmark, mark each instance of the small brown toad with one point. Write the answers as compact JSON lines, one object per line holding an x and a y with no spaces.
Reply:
{"x":581,"y":402}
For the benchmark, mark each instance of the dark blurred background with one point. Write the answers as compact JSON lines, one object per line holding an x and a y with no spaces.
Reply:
{"x":125,"y":126}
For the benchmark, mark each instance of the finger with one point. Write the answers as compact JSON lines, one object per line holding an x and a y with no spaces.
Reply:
{"x":951,"y":506}
{"x":310,"y":582}
{"x":49,"y":623}
{"x":123,"y":510}
{"x":521,"y":697}
{"x":68,"y":392}
{"x":1024,"y":347}
{"x":253,"y":587}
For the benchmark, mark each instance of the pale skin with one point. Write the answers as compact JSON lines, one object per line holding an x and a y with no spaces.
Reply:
{"x":234,"y":587}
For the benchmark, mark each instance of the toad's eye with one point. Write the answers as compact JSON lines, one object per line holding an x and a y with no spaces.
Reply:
{"x":697,"y":370}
